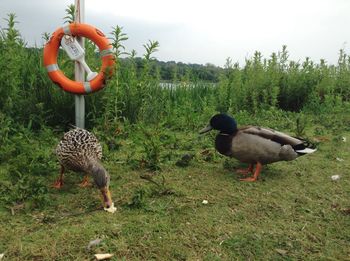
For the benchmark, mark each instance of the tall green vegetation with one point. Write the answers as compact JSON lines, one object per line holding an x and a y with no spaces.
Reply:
{"x":144,"y":90}
{"x":280,"y":83}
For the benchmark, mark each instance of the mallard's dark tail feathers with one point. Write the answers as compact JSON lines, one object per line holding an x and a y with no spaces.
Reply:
{"x":304,"y":148}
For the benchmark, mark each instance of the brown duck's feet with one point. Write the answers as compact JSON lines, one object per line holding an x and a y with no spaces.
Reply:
{"x":245,"y":171}
{"x":58,"y":184}
{"x":256,"y":173}
{"x":85,"y":183}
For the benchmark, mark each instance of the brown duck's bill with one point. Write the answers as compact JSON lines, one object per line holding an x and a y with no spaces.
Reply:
{"x":206,"y":129}
{"x":106,"y":196}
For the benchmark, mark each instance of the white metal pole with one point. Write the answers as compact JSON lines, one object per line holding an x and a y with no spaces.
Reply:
{"x":78,"y":69}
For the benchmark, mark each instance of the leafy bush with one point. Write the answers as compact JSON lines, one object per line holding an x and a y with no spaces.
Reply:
{"x":29,"y":162}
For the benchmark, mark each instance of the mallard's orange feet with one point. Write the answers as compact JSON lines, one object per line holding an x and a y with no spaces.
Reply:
{"x":85,"y":183}
{"x":58,"y":184}
{"x":245,"y":171}
{"x":256,"y":173}
{"x":250,"y":179}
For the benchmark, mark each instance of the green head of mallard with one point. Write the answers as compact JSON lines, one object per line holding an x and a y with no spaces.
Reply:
{"x":102,"y":179}
{"x":221,"y":122}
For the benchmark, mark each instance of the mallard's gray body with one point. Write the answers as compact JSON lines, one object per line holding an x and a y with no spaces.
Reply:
{"x":255,"y":144}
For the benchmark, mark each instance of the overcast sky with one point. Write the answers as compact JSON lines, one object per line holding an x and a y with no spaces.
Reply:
{"x":202,"y":31}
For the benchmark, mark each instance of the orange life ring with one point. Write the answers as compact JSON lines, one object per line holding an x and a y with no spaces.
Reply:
{"x":58,"y":77}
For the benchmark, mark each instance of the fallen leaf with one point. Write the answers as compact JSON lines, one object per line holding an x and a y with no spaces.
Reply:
{"x":103,"y":256}
{"x":281,"y":251}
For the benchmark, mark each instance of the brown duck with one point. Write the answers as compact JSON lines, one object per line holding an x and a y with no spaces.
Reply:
{"x":80,"y":151}
{"x":254,"y":145}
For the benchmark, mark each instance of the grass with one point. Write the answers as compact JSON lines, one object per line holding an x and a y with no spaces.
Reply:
{"x":294,"y":212}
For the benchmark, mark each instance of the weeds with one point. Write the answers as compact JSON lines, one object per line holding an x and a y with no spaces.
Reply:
{"x":25,"y":189}
{"x":137,"y":199}
{"x":151,"y":150}
{"x":29,"y":163}
{"x":301,"y":123}
{"x":160,"y":189}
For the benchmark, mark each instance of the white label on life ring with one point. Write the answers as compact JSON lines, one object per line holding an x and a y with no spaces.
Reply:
{"x":76,"y":53}
{"x":72,"y":47}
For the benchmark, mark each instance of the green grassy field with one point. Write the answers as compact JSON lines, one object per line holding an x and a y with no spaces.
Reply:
{"x":293,"y":212}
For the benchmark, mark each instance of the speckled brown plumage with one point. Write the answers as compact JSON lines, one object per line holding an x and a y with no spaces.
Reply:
{"x":77,"y":149}
{"x":80,"y":151}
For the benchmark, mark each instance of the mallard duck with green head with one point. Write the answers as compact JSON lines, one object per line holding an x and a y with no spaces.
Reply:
{"x":254,"y":145}
{"x":80,"y":151}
